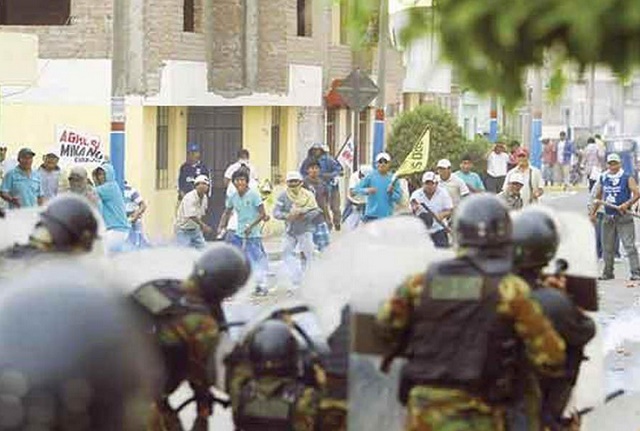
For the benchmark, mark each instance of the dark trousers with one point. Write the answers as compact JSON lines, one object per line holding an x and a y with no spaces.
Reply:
{"x":440,"y":239}
{"x":334,"y":204}
{"x":494,"y":184}
{"x":591,"y":184}
{"x":599,"y":237}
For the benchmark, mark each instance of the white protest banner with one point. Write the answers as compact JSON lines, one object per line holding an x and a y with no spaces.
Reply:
{"x":76,"y":146}
{"x":345,"y":155}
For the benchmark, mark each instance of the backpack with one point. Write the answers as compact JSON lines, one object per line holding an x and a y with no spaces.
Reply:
{"x":164,"y":299}
{"x":268,"y":407}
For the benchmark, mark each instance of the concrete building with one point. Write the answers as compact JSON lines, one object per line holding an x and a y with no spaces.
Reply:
{"x":226,"y":74}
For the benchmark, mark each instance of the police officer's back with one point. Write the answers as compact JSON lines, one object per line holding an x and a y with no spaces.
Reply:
{"x":536,"y":241}
{"x":186,"y":317}
{"x":270,"y":385}
{"x":67,"y":225}
{"x":71,"y":355}
{"x":464,"y":324}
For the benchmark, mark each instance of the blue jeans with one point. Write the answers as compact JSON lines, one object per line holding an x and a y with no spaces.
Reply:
{"x":190,"y":238}
{"x":254,"y":251}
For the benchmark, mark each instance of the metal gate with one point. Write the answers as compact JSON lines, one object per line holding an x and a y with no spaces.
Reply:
{"x":218,"y":130}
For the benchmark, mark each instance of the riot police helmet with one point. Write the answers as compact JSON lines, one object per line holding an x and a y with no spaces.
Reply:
{"x":71,"y":354}
{"x":70,"y":223}
{"x":482,"y":221}
{"x":535,"y":238}
{"x":273,"y":349}
{"x":220,"y":272}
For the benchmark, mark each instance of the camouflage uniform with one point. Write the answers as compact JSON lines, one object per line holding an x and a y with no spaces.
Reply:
{"x":513,"y":201}
{"x":305,"y":415}
{"x":186,"y":343}
{"x":437,"y":408}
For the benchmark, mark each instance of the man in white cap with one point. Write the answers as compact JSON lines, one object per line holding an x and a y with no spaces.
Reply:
{"x":433,"y":205}
{"x":618,"y":191}
{"x":298,"y":208}
{"x":381,"y":190}
{"x":190,"y":227}
{"x":456,"y":187}
{"x":511,"y":195}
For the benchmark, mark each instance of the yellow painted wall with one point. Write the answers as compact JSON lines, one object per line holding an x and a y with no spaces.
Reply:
{"x":35,"y":125}
{"x":289,"y":139}
{"x":256,"y":137}
{"x":141,"y":164}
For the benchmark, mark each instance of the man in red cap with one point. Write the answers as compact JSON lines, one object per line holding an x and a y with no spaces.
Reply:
{"x":532,"y":189}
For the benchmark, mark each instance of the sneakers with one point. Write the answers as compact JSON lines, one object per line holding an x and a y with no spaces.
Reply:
{"x":604,"y":277}
{"x":261,"y":291}
{"x":634,"y":277}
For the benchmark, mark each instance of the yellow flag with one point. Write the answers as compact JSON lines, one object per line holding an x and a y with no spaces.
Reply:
{"x":418,"y":158}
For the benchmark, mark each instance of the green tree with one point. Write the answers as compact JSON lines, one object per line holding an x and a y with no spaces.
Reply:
{"x":447,"y":141}
{"x":492,"y":43}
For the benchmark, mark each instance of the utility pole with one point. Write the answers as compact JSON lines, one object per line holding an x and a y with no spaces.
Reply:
{"x":118,"y":88}
{"x":536,"y":119}
{"x":592,"y":97}
{"x":493,"y":122}
{"x":379,"y":126}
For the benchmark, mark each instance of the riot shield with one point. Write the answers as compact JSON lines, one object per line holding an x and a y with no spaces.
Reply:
{"x":16,"y":227}
{"x":576,"y":258}
{"x":360,"y":270}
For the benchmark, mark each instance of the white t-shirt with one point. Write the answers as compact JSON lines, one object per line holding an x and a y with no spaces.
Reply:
{"x":526,"y":193}
{"x":191,"y":205}
{"x":354,"y":180}
{"x":253,"y":176}
{"x":560,"y":152}
{"x":456,"y":187}
{"x":440,"y":201}
{"x":497,"y":164}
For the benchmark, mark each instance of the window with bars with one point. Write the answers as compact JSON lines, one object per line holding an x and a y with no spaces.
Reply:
{"x":276,"y":112}
{"x":304,"y":10}
{"x":192,"y":16}
{"x":162,"y":148}
{"x":35,"y":12}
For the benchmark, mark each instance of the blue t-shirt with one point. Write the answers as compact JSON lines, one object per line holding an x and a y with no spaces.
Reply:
{"x":246,"y":207}
{"x":615,"y":190}
{"x":471,"y":179}
{"x":380,"y":204}
{"x":27,"y":187}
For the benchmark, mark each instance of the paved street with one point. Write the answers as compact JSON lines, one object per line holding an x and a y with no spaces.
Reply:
{"x":619,"y":318}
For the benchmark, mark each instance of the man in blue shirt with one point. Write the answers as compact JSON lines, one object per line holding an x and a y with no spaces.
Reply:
{"x":248,"y":205}
{"x":113,"y":208}
{"x":330,"y":170}
{"x":471,"y":179}
{"x":190,"y":170}
{"x":382,"y":192}
{"x":21,"y":186}
{"x":618,"y":191}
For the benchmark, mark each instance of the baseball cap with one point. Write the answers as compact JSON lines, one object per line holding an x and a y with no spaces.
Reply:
{"x":26,"y":152}
{"x":383,"y":156}
{"x":201,"y":179}
{"x":429,"y":176}
{"x":443,"y":163}
{"x":294,"y":176}
{"x":516,"y":178}
{"x":192,"y":147}
{"x":613,"y":157}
